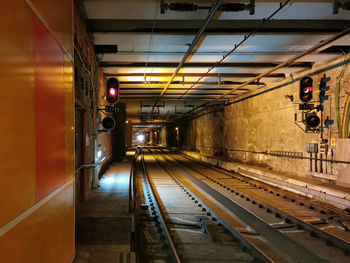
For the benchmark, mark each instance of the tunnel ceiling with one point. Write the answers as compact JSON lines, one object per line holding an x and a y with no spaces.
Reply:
{"x":151,"y":44}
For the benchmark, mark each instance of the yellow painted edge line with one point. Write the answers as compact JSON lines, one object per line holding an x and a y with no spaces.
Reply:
{"x":32,"y":209}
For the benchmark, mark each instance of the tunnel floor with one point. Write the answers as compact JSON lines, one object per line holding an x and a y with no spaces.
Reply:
{"x":105,"y":228}
{"x":103,"y":222}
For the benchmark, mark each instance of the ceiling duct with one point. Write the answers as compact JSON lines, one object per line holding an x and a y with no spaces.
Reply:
{"x":192,"y":7}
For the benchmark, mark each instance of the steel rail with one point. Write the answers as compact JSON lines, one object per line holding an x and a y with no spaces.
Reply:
{"x":131,"y":192}
{"x":334,"y":240}
{"x":163,"y":225}
{"x":285,"y":244}
{"x":256,"y":252}
{"x":290,"y":195}
{"x":191,"y":47}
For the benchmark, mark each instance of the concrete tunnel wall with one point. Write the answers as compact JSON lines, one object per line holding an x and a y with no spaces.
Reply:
{"x":251,"y":130}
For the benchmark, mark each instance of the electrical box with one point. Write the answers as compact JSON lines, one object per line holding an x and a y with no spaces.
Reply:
{"x":311,"y":148}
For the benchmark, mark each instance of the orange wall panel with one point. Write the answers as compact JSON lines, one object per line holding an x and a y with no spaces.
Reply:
{"x":50,"y":123}
{"x":36,"y":134}
{"x":47,"y":235}
{"x":17,"y":155}
{"x":69,"y":104}
{"x":52,"y":12}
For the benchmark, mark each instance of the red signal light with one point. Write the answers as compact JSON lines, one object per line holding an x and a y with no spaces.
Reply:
{"x":305,"y":91}
{"x":112,"y":90}
{"x":308,"y":89}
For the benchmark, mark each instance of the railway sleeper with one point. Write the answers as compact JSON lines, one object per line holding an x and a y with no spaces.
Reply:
{"x":181,"y":222}
{"x":154,"y":245}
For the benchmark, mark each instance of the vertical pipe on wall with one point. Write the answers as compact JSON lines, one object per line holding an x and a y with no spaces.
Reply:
{"x":322,"y":140}
{"x":83,"y":176}
{"x":331,"y":161}
{"x":316,"y":162}
{"x":310,"y":162}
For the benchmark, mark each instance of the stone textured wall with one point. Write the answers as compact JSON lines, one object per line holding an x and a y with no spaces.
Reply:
{"x":251,"y":130}
{"x":90,"y":89}
{"x":104,"y":141}
{"x":163,"y":136}
{"x":204,"y":134}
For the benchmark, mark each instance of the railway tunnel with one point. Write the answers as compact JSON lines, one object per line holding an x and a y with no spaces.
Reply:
{"x":162,"y":131}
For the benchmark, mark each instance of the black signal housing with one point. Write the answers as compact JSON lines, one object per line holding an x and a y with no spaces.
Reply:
{"x":112,"y":91}
{"x":306,"y":89}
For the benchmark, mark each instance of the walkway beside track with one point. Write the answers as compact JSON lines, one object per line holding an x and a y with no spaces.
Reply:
{"x":318,"y":188}
{"x":103,"y":223}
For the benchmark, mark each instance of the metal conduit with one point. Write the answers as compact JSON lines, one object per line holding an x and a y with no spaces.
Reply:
{"x":188,"y":52}
{"x":246,"y":37}
{"x":293,"y":59}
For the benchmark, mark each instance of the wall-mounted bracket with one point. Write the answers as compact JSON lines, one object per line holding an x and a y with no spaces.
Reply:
{"x":104,"y":131}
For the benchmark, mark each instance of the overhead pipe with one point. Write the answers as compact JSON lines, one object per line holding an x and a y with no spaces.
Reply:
{"x":291,"y":60}
{"x":191,"y":47}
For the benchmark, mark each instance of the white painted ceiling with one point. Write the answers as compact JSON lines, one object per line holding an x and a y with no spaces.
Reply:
{"x":147,"y":48}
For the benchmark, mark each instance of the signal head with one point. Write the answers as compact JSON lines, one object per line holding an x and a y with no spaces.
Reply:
{"x":112,"y":90}
{"x":305,"y":91}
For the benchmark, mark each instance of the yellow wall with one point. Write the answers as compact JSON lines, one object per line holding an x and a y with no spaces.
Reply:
{"x":32,"y":230}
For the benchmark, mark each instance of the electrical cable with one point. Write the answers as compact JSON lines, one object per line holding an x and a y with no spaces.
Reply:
{"x":150,"y":47}
{"x":210,"y":15}
{"x":236,"y":46}
{"x":281,"y":65}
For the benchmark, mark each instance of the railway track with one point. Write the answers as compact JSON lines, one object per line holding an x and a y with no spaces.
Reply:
{"x":210,"y":215}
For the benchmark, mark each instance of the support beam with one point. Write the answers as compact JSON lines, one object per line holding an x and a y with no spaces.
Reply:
{"x":109,"y":64}
{"x":169,"y":94}
{"x":176,"y":89}
{"x":169,"y":99}
{"x":224,"y":82}
{"x":301,"y":55}
{"x":183,"y":26}
{"x":223,"y":75}
{"x":191,"y":48}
